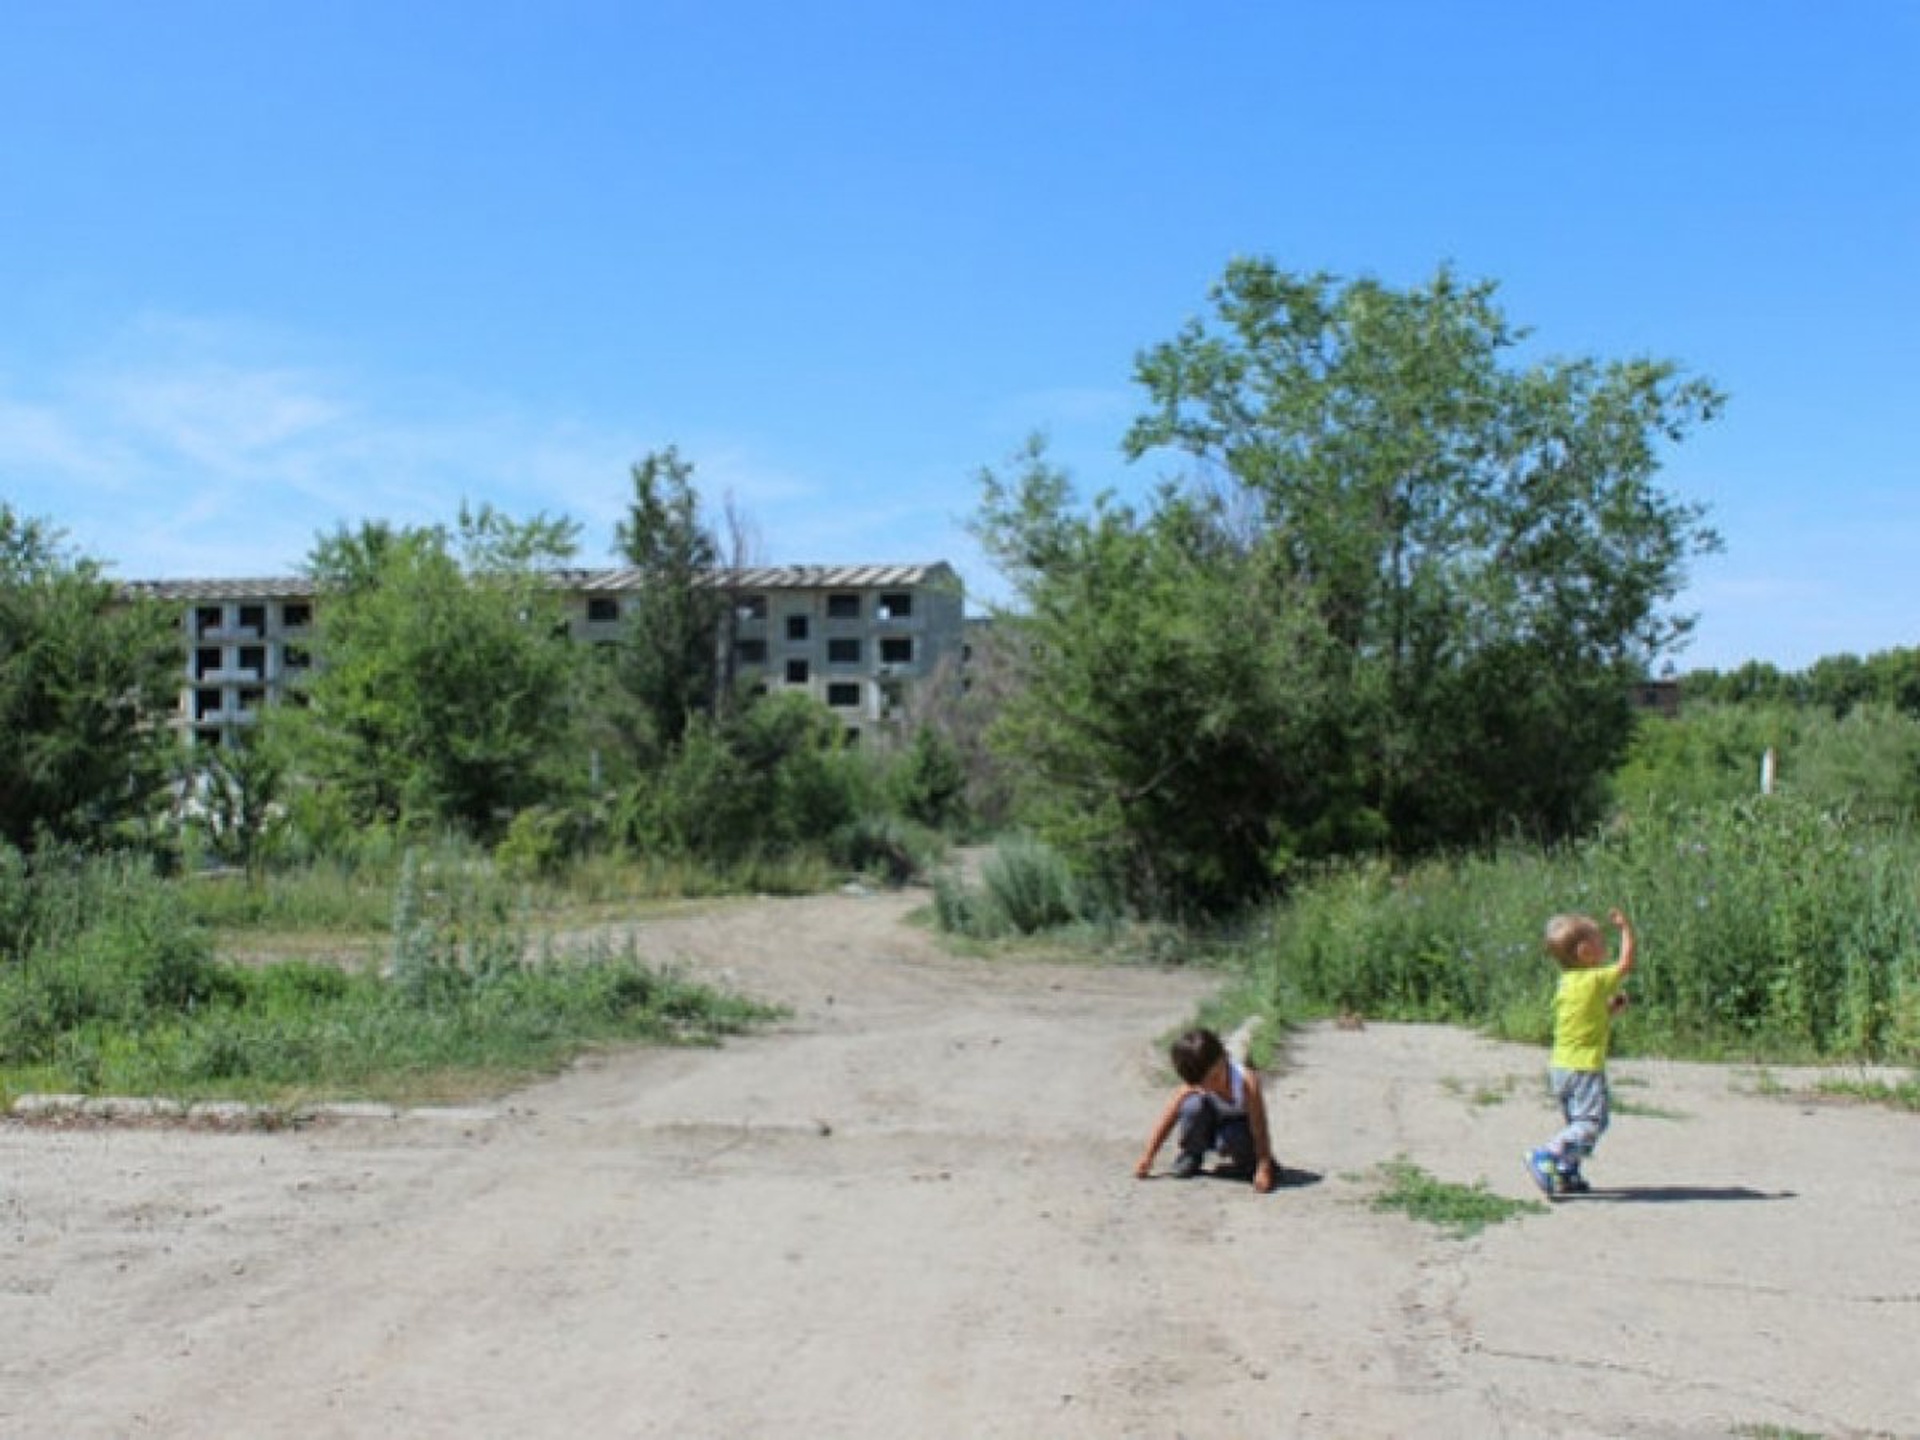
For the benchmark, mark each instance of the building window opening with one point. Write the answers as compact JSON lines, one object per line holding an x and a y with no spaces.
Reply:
{"x":751,"y":607}
{"x":752,"y":652}
{"x":896,"y":607}
{"x":206,"y":660}
{"x":253,"y":658}
{"x":296,"y":615}
{"x":601,"y":608}
{"x":844,"y":696}
{"x":208,"y":617}
{"x":796,"y":627}
{"x":296,"y":657}
{"x":897,"y":650}
{"x":205,"y":703}
{"x":797,"y":672}
{"x":843,"y":652}
{"x":253,"y":617}
{"x":843,"y":607}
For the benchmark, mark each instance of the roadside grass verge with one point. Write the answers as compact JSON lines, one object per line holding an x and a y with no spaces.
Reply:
{"x":111,"y":986}
{"x":1458,"y":1211}
{"x":340,"y":898}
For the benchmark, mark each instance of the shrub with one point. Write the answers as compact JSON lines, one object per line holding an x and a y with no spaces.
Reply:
{"x":928,"y":783}
{"x":1026,"y":887}
{"x":97,"y":942}
{"x":536,"y":845}
{"x":887,"y":846}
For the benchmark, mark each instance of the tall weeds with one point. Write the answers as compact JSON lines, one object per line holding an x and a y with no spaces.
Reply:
{"x":1768,"y":925}
{"x":109,"y":984}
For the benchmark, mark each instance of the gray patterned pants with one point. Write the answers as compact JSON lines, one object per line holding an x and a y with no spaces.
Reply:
{"x":1586,"y":1106}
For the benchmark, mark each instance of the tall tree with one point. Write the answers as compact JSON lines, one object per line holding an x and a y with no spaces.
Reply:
{"x":85,"y":680}
{"x":1461,"y":559}
{"x":671,"y":663}
{"x":446,"y":680}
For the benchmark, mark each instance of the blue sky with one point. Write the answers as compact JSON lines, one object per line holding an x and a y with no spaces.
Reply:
{"x":265,"y":269}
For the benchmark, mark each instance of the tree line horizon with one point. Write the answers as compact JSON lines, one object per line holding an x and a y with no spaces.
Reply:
{"x":1391,"y":597}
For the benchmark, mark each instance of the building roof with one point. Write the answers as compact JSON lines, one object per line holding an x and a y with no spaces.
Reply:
{"x":759,"y":577}
{"x":282,"y":587}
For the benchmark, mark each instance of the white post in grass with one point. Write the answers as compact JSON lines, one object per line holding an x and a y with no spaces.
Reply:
{"x":1766,"y":772}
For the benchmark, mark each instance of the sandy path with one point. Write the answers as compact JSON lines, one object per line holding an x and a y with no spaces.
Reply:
{"x":908,"y":1211}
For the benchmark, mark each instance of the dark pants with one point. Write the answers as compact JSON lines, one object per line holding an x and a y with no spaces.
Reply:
{"x":1206,"y":1124}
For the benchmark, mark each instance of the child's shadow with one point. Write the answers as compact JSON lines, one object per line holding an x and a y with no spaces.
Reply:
{"x":1285,"y":1177}
{"x":1675,"y":1194}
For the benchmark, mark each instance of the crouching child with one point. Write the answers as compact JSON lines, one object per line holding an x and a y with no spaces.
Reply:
{"x":1218,"y":1107}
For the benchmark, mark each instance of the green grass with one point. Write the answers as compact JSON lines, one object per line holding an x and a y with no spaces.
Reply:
{"x":1458,"y":1211}
{"x":1769,"y":930}
{"x":113,"y":985}
{"x":294,"y":1032}
{"x":1482,"y":1093}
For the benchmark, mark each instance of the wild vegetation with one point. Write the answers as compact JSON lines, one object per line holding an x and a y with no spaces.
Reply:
{"x":1773,"y":928}
{"x":1346,"y":697}
{"x":458,"y":782}
{"x":113,"y":986}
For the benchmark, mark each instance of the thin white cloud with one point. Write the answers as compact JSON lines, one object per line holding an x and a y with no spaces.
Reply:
{"x":184,"y":449}
{"x":164,"y":459}
{"x":227,"y":420}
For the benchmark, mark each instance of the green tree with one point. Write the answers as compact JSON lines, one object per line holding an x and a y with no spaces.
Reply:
{"x":670,"y":662}
{"x":1755,"y":682}
{"x":1175,"y":716}
{"x":85,"y":675}
{"x":1397,"y":593}
{"x":447,"y":687}
{"x":767,"y":779}
{"x":238,"y":789}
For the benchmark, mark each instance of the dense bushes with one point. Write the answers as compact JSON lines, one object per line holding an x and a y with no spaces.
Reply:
{"x":1768,"y":925}
{"x":1867,"y":760}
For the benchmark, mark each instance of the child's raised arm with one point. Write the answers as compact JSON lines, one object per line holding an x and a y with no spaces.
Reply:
{"x":1628,"y":948}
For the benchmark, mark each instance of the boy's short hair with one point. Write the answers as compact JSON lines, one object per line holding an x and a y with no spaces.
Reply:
{"x":1195,"y":1054}
{"x":1564,"y":934}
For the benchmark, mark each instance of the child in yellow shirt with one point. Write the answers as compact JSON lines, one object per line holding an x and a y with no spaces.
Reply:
{"x":1588,"y":997}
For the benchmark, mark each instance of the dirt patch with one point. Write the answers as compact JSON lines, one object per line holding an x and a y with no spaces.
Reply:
{"x":908,"y":1210}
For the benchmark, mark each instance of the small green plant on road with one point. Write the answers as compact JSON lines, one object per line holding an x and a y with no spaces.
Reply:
{"x":1482,"y":1093}
{"x":1895,"y":1094}
{"x":1460,"y":1211}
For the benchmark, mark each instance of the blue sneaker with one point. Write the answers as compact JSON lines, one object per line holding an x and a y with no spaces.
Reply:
{"x":1545,"y":1172}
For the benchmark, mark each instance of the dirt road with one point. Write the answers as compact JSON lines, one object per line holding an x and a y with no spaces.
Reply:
{"x":909,"y":1211}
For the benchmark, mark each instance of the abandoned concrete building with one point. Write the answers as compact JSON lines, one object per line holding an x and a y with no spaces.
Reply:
{"x":858,"y":638}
